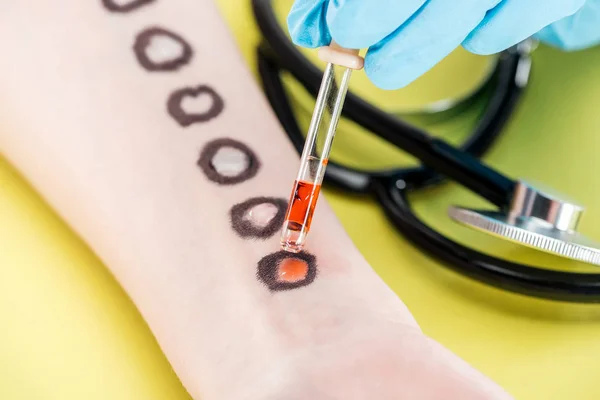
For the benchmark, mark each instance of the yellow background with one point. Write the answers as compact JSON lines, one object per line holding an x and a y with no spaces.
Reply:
{"x":67,"y":330}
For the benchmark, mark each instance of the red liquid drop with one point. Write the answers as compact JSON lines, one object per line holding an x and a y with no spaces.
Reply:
{"x":292,"y":270}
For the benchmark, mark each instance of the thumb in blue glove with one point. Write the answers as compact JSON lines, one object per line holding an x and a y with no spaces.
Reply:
{"x":406,"y":38}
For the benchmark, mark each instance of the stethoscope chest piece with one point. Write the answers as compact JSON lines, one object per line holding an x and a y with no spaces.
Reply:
{"x":537,"y":219}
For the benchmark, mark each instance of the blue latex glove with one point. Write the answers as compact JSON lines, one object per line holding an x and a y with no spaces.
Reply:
{"x":407,"y":37}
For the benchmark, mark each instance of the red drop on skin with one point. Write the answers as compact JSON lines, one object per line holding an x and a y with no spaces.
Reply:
{"x":292,"y":270}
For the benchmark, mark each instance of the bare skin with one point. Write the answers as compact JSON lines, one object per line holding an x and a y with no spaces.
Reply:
{"x":89,"y":127}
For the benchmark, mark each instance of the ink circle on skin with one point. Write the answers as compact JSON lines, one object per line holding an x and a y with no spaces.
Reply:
{"x":226,"y":170}
{"x":258,"y":226}
{"x":124,"y":6}
{"x":199,"y":94}
{"x":150,"y":37}
{"x":285,"y":271}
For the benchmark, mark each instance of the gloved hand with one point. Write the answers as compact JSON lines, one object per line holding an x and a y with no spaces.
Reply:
{"x":407,"y":37}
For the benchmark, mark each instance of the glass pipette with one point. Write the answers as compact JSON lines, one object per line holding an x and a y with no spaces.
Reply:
{"x":315,"y":155}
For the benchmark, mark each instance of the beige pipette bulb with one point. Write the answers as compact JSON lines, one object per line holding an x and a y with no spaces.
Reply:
{"x":335,"y":54}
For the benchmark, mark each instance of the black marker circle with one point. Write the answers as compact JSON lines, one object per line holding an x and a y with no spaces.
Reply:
{"x":246,"y":229}
{"x":110,"y":5}
{"x":143,"y":40}
{"x":182,"y":117}
{"x":268,"y":267}
{"x":211,"y":149}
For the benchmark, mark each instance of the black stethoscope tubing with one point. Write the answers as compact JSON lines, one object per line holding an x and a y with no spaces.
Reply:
{"x":392,"y":186}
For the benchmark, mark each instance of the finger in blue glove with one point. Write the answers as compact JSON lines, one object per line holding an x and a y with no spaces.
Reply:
{"x":513,"y":21}
{"x":578,"y":31}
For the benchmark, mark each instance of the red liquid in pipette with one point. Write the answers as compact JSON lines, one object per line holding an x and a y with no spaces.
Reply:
{"x":300,"y":212}
{"x":302,"y":204}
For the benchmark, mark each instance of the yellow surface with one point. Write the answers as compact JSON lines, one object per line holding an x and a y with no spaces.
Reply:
{"x":68,"y":331}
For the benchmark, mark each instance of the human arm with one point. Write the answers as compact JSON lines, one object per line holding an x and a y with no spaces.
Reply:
{"x":94,"y":131}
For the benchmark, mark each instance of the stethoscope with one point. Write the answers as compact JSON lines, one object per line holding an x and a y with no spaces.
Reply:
{"x":525,"y":214}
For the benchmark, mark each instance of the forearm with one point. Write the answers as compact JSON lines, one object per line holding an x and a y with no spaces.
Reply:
{"x":88,"y":125}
